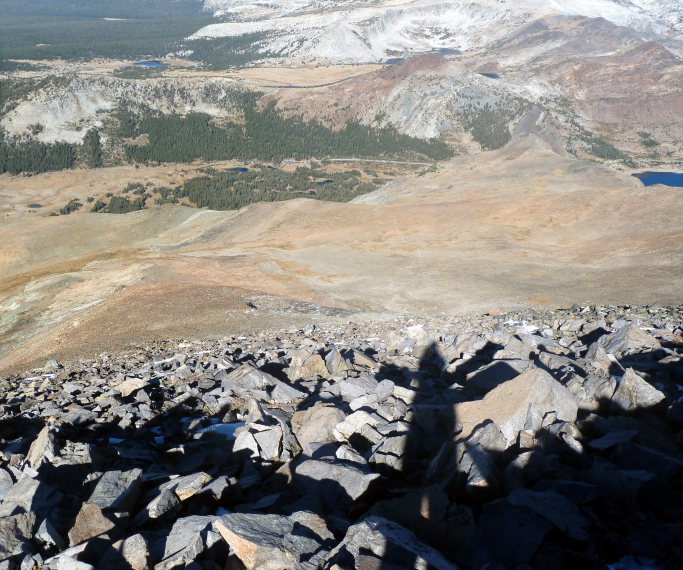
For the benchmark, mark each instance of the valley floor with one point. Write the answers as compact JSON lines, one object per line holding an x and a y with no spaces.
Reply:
{"x":521,"y":226}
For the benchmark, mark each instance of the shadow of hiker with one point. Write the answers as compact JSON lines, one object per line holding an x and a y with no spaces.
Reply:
{"x":547,"y":499}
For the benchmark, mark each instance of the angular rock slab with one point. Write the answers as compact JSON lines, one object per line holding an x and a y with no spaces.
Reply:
{"x":117,"y":490}
{"x":316,"y":424}
{"x":188,"y":538}
{"x":307,"y":364}
{"x":90,"y":522}
{"x":383,"y":537}
{"x":633,"y":392}
{"x":555,"y":508}
{"x":15,"y":532}
{"x":273,"y":542}
{"x":628,"y":339}
{"x":129,"y":554}
{"x":521,"y":403}
{"x":350,"y":479}
{"x":246,"y":377}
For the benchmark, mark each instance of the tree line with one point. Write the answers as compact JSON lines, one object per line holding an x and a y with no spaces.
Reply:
{"x":35,"y":156}
{"x":265,"y":135}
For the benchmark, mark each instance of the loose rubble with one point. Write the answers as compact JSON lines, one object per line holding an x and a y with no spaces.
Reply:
{"x":538,"y":439}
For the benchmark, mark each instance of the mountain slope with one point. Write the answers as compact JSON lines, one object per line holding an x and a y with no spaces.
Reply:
{"x":467,"y":238}
{"x":307,"y":31}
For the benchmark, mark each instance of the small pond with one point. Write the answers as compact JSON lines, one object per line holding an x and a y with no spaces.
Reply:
{"x":447,"y":51}
{"x":151,"y":63}
{"x":239,"y":169}
{"x":491,"y":75}
{"x":323,"y":182}
{"x":666,"y":178}
{"x":33,"y":206}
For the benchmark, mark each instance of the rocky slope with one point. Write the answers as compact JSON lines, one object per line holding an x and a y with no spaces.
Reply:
{"x":550,"y":77}
{"x":530,"y":439}
{"x":546,"y":79}
{"x":314,"y":31}
{"x":65,"y":107}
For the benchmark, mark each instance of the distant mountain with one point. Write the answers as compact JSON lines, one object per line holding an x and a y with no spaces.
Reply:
{"x":305,"y":31}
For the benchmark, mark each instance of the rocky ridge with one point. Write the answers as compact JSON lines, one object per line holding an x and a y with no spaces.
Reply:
{"x":304,"y":31}
{"x":536,"y":439}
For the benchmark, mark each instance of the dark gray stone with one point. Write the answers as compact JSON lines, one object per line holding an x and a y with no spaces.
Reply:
{"x":555,"y":508}
{"x":391,"y":542}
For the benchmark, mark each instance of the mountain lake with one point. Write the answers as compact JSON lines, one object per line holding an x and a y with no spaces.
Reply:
{"x":666,"y":178}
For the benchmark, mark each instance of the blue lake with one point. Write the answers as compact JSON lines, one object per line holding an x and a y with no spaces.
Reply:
{"x":239,"y":169}
{"x":666,"y":178}
{"x":491,"y":75}
{"x":153,"y":63}
{"x":323,"y":182}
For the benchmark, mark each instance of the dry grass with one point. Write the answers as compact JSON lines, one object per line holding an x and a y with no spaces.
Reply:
{"x":520,"y":226}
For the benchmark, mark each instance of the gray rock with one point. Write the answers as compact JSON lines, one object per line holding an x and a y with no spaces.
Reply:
{"x":367,"y":401}
{"x":306,"y":364}
{"x":28,"y":495}
{"x":384,"y":389}
{"x":130,"y":385}
{"x":42,"y":450}
{"x":518,"y":404}
{"x":352,"y":480}
{"x":633,"y":392}
{"x":539,"y":342}
{"x":555,"y":508}
{"x":246,"y":378}
{"x":245,"y":442}
{"x":129,"y":554}
{"x":15,"y":533}
{"x":48,"y":535}
{"x":352,"y":388}
{"x":79,"y":416}
{"x":590,"y":392}
{"x":188,"y":485}
{"x":117,"y":490}
{"x":636,"y":457}
{"x":488,"y":377}
{"x":286,"y":394}
{"x":63,"y":562}
{"x":188,"y":538}
{"x":336,"y":363}
{"x":390,"y":451}
{"x":347,"y":453}
{"x":357,"y":422}
{"x":613,"y":439}
{"x":290,"y":445}
{"x":270,"y":443}
{"x":627,"y":339}
{"x":6,"y":483}
{"x":390,"y":542}
{"x":361,"y":360}
{"x":164,"y":505}
{"x":316,"y":424}
{"x":507,"y":535}
{"x":270,"y":542}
